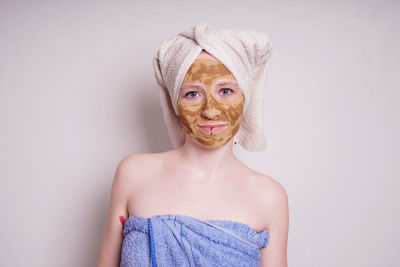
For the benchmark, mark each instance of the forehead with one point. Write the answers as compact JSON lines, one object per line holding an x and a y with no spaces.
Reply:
{"x":206,"y":70}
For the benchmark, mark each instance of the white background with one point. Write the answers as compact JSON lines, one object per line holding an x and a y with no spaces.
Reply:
{"x":78,"y":93}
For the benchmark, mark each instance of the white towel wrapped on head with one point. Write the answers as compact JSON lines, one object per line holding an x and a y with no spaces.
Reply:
{"x":244,"y":53}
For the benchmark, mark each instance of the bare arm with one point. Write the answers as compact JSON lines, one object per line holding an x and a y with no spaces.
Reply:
{"x":275,"y":254}
{"x":110,"y":253}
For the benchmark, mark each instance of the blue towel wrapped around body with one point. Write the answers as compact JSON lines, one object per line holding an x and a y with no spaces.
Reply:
{"x":180,"y":240}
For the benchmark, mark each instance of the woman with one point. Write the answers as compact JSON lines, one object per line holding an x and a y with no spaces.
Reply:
{"x":197,"y":204}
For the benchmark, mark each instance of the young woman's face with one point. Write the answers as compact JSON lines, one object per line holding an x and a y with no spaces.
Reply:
{"x":210,"y":103}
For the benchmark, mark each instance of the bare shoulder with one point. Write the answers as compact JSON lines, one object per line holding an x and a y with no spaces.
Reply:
{"x":132,"y":162}
{"x":269,"y":188}
{"x":137,"y":166}
{"x":270,"y":195}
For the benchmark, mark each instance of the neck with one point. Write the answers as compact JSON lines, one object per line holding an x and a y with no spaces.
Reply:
{"x":207,"y":164}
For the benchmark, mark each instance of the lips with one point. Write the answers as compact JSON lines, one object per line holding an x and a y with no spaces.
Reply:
{"x":212,"y":128}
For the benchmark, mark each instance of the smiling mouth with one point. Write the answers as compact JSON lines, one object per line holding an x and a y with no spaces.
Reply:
{"x":211,"y":129}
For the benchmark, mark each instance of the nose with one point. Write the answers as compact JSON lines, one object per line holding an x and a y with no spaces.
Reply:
{"x":209,"y":111}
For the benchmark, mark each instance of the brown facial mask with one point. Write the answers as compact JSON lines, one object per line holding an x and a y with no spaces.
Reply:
{"x":209,"y":95}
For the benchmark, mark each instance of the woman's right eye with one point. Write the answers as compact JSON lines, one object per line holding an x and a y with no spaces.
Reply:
{"x":191,"y":93}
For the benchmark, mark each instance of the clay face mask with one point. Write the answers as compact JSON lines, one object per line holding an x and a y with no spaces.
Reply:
{"x":210,"y":103}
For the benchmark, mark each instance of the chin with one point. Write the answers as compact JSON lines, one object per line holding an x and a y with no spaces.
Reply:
{"x":211,"y":147}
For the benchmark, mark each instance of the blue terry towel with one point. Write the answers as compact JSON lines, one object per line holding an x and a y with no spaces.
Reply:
{"x":180,"y":240}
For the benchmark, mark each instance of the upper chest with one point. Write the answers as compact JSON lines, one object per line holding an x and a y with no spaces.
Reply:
{"x":228,"y":198}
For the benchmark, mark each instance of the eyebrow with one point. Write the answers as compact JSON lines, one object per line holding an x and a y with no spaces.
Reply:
{"x":191,"y":86}
{"x":220,"y":83}
{"x":227,"y":82}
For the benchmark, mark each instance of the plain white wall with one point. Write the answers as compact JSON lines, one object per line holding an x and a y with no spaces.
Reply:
{"x":78,"y":93}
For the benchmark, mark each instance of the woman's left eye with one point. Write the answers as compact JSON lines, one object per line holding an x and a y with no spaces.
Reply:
{"x":226,"y":91}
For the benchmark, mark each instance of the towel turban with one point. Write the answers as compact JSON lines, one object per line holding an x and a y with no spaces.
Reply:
{"x":244,"y":53}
